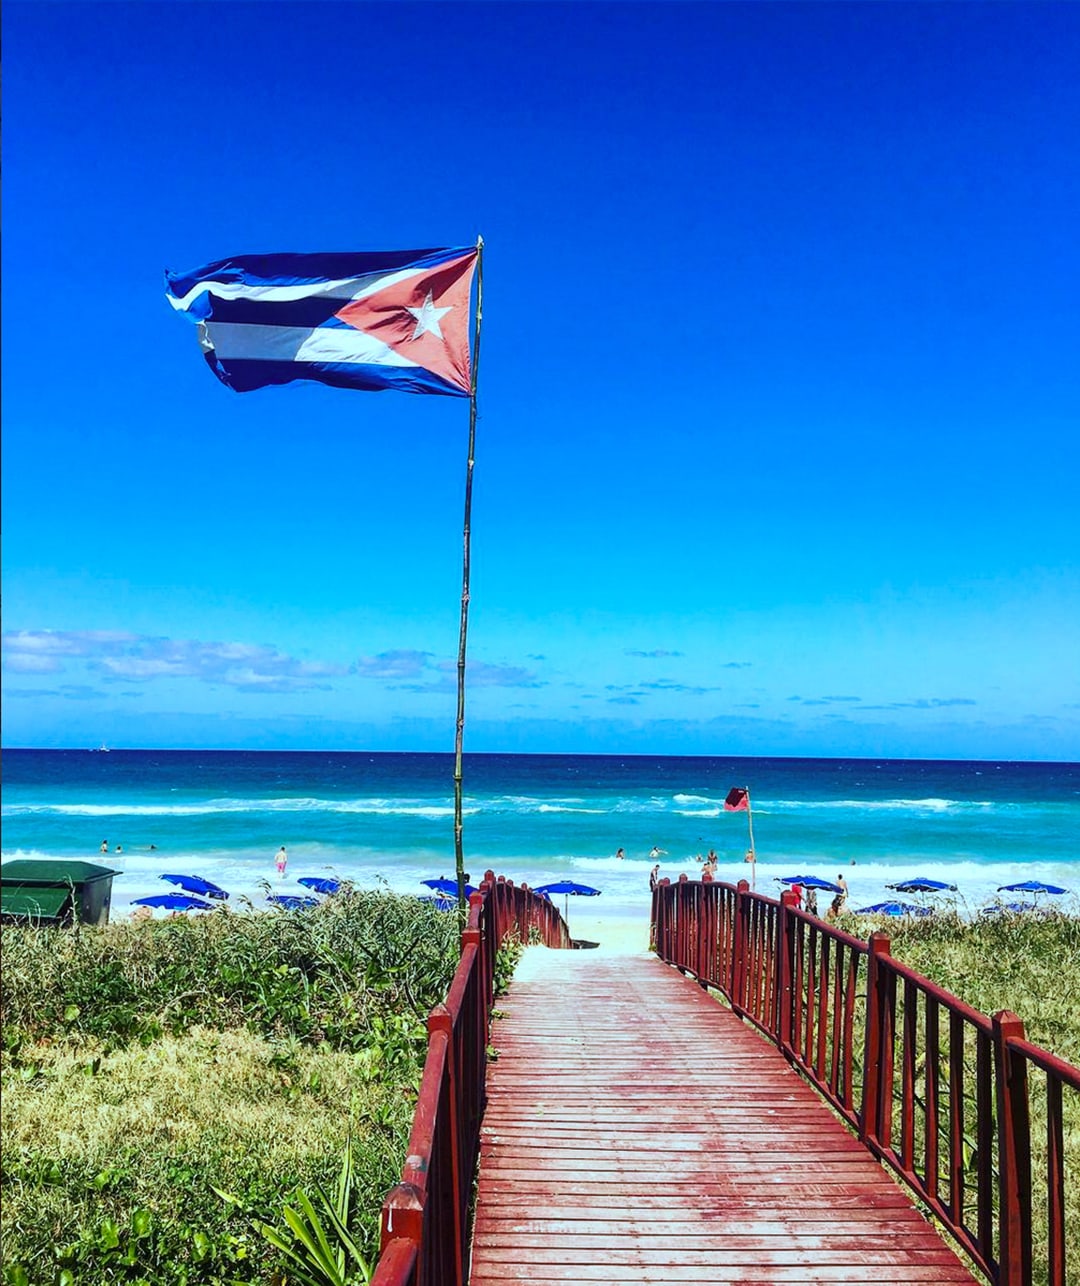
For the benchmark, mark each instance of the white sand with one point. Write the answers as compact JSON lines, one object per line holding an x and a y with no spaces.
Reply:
{"x":618,"y":935}
{"x":614,"y":935}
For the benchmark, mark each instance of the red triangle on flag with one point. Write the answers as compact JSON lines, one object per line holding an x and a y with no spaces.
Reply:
{"x":424,"y":318}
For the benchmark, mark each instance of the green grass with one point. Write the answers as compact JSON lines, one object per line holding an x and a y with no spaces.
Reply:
{"x":1029,"y":964}
{"x":146,"y":1064}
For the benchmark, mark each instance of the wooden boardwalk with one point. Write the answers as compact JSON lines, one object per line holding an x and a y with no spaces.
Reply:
{"x":637,"y":1131}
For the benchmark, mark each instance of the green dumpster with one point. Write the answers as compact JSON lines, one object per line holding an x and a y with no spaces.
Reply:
{"x":50,"y":891}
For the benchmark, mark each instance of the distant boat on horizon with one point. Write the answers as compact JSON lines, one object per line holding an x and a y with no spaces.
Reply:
{"x":102,"y":749}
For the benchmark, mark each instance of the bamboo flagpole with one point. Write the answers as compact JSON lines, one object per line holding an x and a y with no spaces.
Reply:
{"x":459,"y":735}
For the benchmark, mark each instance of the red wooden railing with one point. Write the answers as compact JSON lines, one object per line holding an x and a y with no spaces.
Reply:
{"x":425,"y":1218}
{"x":936,"y":1090}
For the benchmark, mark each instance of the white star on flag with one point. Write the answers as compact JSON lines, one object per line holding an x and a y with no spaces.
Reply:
{"x":427,"y":318}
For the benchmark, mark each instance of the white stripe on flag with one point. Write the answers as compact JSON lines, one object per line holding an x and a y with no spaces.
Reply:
{"x":235,"y":341}
{"x":346,"y":288}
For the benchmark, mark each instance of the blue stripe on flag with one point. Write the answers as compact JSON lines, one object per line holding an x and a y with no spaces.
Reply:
{"x":243,"y":375}
{"x":317,"y":311}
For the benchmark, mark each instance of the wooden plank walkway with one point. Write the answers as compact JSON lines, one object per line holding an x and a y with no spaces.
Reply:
{"x":637,"y":1131}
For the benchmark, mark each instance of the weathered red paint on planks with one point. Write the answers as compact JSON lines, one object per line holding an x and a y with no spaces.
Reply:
{"x":637,"y":1131}
{"x":425,"y":1216}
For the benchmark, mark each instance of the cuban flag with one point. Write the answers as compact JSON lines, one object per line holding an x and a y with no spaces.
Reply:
{"x":381,"y":320}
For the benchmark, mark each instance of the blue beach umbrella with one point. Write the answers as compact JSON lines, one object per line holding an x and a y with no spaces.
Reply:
{"x":569,"y":889}
{"x":196,"y":884}
{"x":290,"y":901}
{"x":319,"y":885}
{"x":449,"y":887}
{"x":1031,"y":886}
{"x":895,"y":908}
{"x":174,"y":902}
{"x":810,"y":882}
{"x":922,"y":885}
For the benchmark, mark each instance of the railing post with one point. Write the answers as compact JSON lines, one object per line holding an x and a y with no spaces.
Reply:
{"x":663,"y":920}
{"x":439,"y":1020}
{"x":487,"y":944}
{"x":682,"y":922}
{"x":402,"y":1215}
{"x":706,"y":931}
{"x":877,"y":1045}
{"x":1014,"y":1153}
{"x":738,"y":946}
{"x":702,"y":930}
{"x":785,"y":973}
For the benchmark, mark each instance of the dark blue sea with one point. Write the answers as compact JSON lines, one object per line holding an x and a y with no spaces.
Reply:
{"x":387,"y":819}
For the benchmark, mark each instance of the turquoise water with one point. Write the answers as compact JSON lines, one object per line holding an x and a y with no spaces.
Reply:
{"x":388,"y":819}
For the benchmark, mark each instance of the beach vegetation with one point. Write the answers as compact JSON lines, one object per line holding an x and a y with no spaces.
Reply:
{"x":150,"y":1067}
{"x":1028,"y":964}
{"x":320,"y":1246}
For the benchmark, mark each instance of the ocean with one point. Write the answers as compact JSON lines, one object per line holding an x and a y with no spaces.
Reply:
{"x":386,"y":820}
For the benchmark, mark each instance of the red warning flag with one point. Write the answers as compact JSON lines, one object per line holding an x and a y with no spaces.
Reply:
{"x":738,"y":800}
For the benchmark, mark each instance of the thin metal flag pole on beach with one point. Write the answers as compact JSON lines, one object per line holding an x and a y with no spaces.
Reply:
{"x":738,"y":801}
{"x":753,"y":851}
{"x":459,"y":734}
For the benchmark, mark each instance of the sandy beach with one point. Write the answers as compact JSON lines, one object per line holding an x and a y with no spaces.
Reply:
{"x":614,"y":934}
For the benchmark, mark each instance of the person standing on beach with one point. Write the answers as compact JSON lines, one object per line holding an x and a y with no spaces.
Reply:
{"x":281,"y":860}
{"x":654,"y":878}
{"x":837,"y":904}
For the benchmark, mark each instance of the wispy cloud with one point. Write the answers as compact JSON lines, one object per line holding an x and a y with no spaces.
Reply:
{"x":826,"y":701}
{"x":441,"y":676}
{"x":135,"y":659}
{"x":670,"y":685}
{"x":67,"y":691}
{"x":132,"y":658}
{"x":655,"y":653}
{"x":401,"y":664}
{"x":47,"y":651}
{"x":924,"y":703}
{"x":918,"y":703}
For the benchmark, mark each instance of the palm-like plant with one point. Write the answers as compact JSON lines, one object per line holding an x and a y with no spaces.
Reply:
{"x":316,"y":1241}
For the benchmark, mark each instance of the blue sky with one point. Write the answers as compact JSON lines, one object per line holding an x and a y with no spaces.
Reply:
{"x":779,"y":382}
